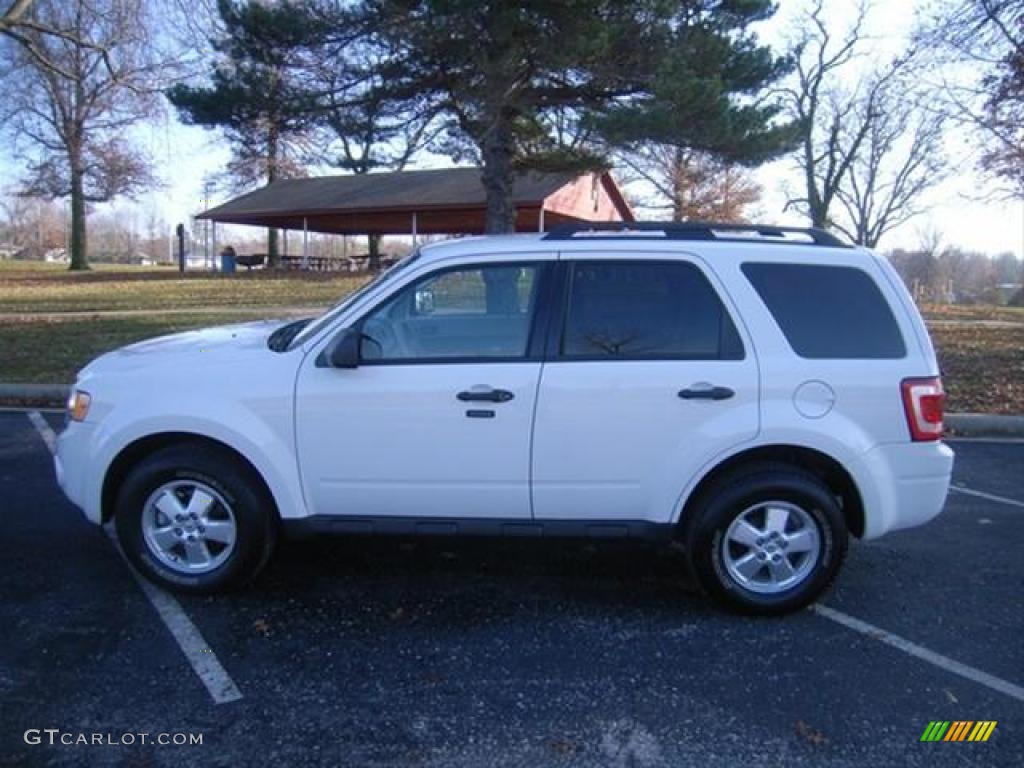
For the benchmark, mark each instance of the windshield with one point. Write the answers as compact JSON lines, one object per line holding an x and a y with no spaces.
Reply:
{"x":327,"y":317}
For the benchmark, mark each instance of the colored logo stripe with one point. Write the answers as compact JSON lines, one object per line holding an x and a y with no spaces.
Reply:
{"x":982,"y":730}
{"x":958,"y":730}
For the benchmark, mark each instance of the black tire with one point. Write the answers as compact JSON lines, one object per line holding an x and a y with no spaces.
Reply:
{"x":716,"y":509}
{"x":254,"y":515}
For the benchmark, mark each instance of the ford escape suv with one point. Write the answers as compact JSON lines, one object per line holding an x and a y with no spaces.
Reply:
{"x":758,"y":394}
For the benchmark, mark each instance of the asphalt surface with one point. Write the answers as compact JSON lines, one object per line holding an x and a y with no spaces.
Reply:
{"x":357,"y":652}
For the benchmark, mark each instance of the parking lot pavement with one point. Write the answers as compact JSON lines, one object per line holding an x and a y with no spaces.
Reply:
{"x":483,"y":653}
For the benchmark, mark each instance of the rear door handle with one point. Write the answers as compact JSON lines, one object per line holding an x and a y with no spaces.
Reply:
{"x":485,"y":394}
{"x":706,"y":393}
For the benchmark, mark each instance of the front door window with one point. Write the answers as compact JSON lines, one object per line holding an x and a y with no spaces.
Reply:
{"x":468,"y":313}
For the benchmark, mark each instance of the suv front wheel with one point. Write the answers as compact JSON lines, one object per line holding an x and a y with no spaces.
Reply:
{"x":195,"y":519}
{"x":767,"y":539}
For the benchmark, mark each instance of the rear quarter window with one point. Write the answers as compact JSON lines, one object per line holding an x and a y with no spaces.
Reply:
{"x":828,"y":312}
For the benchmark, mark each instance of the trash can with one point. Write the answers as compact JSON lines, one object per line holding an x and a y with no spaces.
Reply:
{"x":228,"y":261}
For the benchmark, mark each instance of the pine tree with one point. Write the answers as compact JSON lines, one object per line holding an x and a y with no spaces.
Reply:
{"x":682,"y":72}
{"x":257,"y":93}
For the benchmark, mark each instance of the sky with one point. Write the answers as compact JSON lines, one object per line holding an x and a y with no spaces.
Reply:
{"x":184,"y":156}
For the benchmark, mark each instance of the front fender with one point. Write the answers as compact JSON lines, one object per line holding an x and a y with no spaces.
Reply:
{"x":265,"y":439}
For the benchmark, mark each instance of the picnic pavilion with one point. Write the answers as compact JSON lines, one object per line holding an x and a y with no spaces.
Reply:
{"x":450,"y":201}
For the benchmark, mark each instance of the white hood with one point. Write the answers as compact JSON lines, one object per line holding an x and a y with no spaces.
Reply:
{"x":202,"y":347}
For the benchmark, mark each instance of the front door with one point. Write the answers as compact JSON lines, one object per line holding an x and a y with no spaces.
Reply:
{"x":647,"y":380}
{"x":436,"y":419}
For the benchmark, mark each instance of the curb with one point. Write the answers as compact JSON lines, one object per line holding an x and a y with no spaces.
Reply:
{"x":957,"y":424}
{"x":34,"y":395}
{"x":984,"y":425}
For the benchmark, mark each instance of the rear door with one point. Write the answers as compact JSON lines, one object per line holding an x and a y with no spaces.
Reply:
{"x":647,"y":379}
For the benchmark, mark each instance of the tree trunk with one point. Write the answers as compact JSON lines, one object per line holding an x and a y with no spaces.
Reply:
{"x":817,"y":209}
{"x":272,"y":161}
{"x":678,"y":190}
{"x":79,"y":256}
{"x":496,"y":175}
{"x":373,"y":248}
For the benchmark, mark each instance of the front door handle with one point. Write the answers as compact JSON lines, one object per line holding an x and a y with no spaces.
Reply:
{"x":706,"y":393}
{"x":485,"y":394}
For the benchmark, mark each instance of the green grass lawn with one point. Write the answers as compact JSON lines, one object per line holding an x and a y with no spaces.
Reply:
{"x":27,"y":287}
{"x":39,"y":346}
{"x":52,"y":351}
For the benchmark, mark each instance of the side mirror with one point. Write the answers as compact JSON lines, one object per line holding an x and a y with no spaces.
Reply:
{"x":342,"y":351}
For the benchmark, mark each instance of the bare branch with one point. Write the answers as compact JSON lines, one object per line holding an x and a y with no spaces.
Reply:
{"x":835,"y":119}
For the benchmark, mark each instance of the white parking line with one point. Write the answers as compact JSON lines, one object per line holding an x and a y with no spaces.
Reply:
{"x":937,"y":659}
{"x":48,"y":435}
{"x":989,"y":496}
{"x":197,"y":651}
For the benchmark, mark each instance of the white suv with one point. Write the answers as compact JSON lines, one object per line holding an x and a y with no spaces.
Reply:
{"x":756,"y":393}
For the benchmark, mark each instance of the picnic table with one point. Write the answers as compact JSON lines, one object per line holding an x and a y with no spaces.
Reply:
{"x":251,"y":260}
{"x":317,"y":263}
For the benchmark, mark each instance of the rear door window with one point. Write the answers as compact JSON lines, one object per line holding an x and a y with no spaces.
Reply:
{"x":828,"y":312}
{"x":645,"y":310}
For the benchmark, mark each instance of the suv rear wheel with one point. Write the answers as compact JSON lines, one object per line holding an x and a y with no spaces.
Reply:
{"x":767,"y":539}
{"x":194,"y":519}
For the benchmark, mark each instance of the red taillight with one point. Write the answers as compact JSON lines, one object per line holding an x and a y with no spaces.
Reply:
{"x":924,"y":403}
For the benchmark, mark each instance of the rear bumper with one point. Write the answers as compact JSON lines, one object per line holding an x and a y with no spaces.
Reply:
{"x":908,"y":484}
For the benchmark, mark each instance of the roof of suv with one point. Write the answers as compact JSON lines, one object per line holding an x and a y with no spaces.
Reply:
{"x":579,"y":236}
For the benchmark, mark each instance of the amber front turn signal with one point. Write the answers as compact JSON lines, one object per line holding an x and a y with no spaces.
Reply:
{"x":78,"y":405}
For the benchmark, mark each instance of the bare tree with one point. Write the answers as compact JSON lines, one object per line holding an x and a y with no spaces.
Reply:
{"x":834,"y":120}
{"x":692,"y":184}
{"x":71,"y":119}
{"x":900,"y":157}
{"x":986,"y":91}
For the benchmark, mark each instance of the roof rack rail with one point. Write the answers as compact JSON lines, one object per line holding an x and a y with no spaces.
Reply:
{"x":696,"y":230}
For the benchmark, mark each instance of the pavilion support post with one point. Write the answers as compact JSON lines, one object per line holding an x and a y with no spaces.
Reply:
{"x":415,"y":234}
{"x":540,"y":219}
{"x":305,"y":243}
